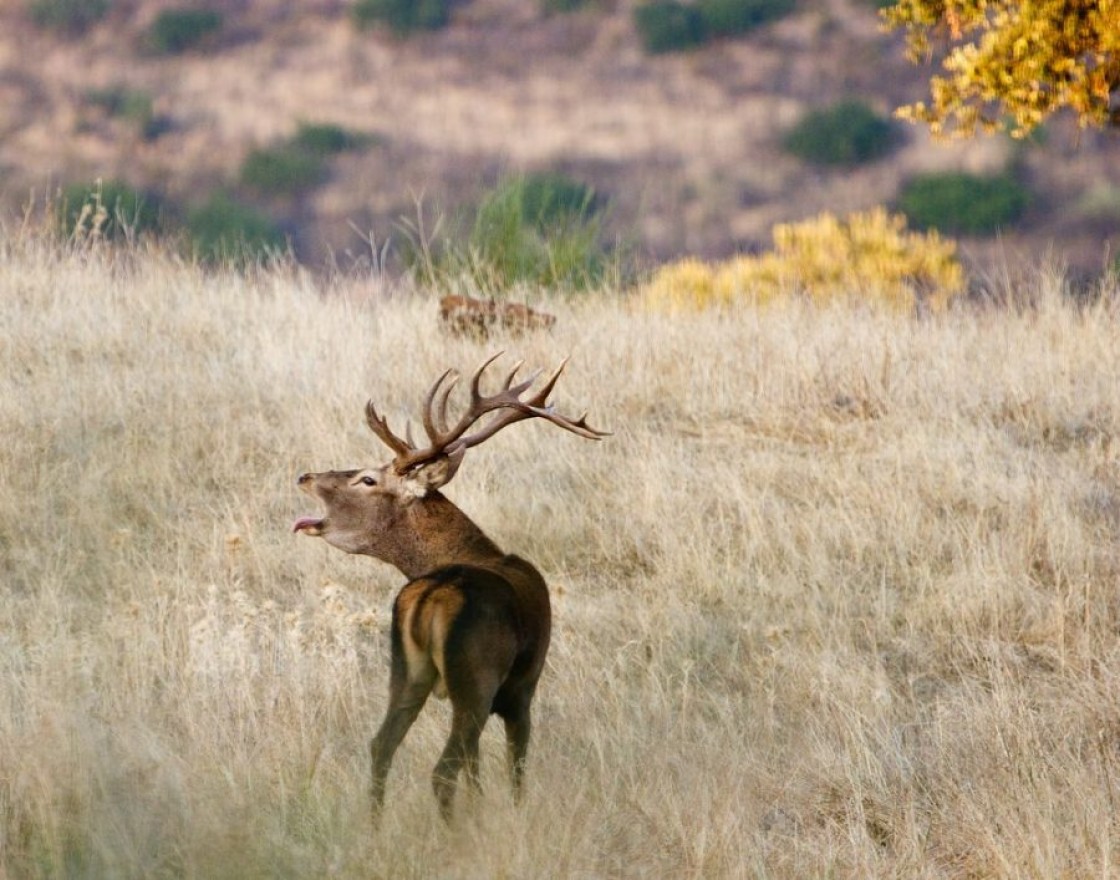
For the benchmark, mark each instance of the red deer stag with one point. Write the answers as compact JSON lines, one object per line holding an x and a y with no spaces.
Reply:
{"x":472,"y":623}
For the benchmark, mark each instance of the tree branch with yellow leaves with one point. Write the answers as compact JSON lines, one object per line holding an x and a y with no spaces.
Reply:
{"x":1013,"y":63}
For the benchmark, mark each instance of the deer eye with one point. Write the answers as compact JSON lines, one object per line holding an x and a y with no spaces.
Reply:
{"x":368,"y":481}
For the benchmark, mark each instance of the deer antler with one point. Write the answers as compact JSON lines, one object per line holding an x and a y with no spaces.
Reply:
{"x":443,"y":441}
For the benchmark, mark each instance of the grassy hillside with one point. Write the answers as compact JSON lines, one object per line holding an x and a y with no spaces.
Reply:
{"x":836,"y":599}
{"x":688,"y":148}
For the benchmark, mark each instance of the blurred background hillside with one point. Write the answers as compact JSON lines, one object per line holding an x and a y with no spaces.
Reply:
{"x":326,"y":124}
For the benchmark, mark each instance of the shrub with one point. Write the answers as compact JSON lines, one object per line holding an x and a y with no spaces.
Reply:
{"x":121,"y":101}
{"x":283,"y":170}
{"x":556,"y":7}
{"x":849,"y":133}
{"x":542,"y":230}
{"x":134,"y":106}
{"x":669,"y":26}
{"x":672,"y":26}
{"x":69,"y":16}
{"x":327,"y":139}
{"x":224,"y":231}
{"x":866,"y":257}
{"x":110,"y":209}
{"x":177,"y":30}
{"x":551,"y":199}
{"x":292,"y":166}
{"x":402,"y":17}
{"x":727,"y":18}
{"x":961,"y":203}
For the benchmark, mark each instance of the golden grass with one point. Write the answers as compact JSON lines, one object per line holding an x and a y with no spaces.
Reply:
{"x":836,"y":599}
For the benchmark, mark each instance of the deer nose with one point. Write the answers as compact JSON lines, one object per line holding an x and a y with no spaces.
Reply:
{"x":303,"y":478}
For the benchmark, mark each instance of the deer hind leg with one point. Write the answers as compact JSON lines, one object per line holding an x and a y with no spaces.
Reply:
{"x":408,"y":691}
{"x":460,"y":754}
{"x":482,"y":659}
{"x":518,"y":727}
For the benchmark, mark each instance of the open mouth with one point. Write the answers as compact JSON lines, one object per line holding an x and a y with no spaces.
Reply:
{"x":311,"y":524}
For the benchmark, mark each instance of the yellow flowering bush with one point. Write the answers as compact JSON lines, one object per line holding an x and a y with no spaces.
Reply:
{"x":868,"y":257}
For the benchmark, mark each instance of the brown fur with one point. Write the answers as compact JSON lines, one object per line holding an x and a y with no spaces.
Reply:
{"x":465,"y":316}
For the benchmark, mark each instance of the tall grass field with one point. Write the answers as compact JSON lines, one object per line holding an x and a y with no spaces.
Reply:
{"x":838,"y":598}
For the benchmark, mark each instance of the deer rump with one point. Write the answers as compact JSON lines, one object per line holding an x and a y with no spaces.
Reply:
{"x":470,"y":634}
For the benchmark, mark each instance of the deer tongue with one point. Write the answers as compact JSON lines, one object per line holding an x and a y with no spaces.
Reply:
{"x":309,"y":523}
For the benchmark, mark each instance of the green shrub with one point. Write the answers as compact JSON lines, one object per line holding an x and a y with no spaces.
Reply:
{"x":177,"y":30}
{"x":111,"y":209}
{"x":122,"y":101}
{"x":70,"y":16}
{"x":402,"y":16}
{"x":549,"y":200}
{"x":134,"y":106}
{"x":543,"y":230}
{"x":557,"y":7}
{"x":669,"y":26}
{"x":283,"y":170}
{"x":963,"y":204}
{"x":848,"y":133}
{"x":327,"y":139}
{"x":727,"y":18}
{"x":225,"y":231}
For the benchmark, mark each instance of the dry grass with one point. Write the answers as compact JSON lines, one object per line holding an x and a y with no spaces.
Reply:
{"x":836,"y":599}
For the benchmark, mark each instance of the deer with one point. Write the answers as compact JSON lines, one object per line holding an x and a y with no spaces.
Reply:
{"x":465,"y":316}
{"x":473,"y":623}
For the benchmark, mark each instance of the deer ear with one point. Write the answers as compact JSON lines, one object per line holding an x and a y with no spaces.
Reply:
{"x":435,"y":474}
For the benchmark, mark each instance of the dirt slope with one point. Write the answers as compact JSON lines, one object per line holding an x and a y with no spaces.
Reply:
{"x":685,"y":146}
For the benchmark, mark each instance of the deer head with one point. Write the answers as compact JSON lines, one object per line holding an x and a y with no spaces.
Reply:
{"x":395,"y":512}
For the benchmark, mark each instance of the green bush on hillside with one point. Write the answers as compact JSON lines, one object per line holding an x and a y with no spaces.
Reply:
{"x":225,"y":231}
{"x":538,"y":229}
{"x":541,"y":229}
{"x":848,"y":133}
{"x":556,"y":7}
{"x":728,"y":18}
{"x":283,"y":170}
{"x":132,"y":105}
{"x":549,"y":200}
{"x":292,"y":166}
{"x":111,"y":209}
{"x":177,"y":30}
{"x":963,"y":204}
{"x":669,"y":26}
{"x":673,"y":26}
{"x":402,"y":17}
{"x":327,"y":139}
{"x":69,"y":16}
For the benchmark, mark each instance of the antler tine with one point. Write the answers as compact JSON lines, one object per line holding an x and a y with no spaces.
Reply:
{"x":447,"y":441}
{"x":541,"y":397}
{"x":512,"y":374}
{"x":476,"y":395}
{"x":481,"y":404}
{"x":536,"y":406}
{"x":443,"y":403}
{"x":429,"y":426}
{"x":380,"y":427}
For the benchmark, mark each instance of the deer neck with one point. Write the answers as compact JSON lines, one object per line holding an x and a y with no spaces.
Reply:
{"x":439,"y":534}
